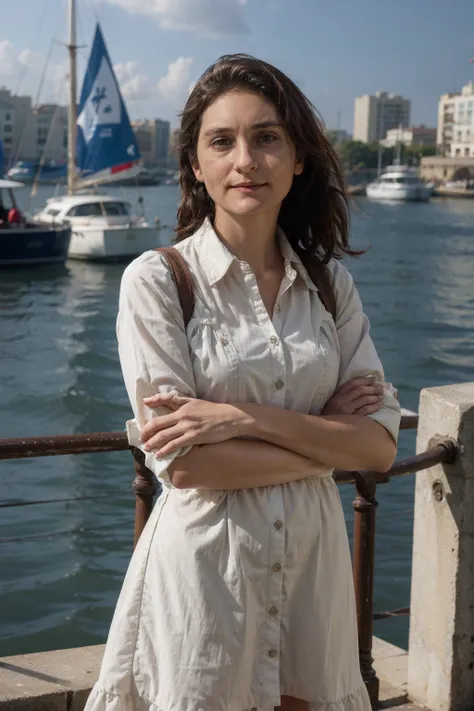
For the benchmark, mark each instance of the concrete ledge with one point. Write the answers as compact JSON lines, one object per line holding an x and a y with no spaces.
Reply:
{"x":61,"y":680}
{"x":391,"y":665}
{"x":49,"y":681}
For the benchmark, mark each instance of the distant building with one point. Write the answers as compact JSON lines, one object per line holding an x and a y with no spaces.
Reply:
{"x":50,"y":126}
{"x":153,"y":137}
{"x":456,"y":123}
{"x":442,"y":168}
{"x":378,"y":113}
{"x":32,"y":132}
{"x":15,"y":114}
{"x":413,"y":136}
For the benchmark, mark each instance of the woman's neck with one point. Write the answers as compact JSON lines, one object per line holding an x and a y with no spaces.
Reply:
{"x":251,"y":239}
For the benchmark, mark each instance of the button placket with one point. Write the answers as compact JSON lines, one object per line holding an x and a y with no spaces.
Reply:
{"x":270,"y":638}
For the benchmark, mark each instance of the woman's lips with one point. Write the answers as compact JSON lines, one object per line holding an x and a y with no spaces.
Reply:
{"x":250,"y":188}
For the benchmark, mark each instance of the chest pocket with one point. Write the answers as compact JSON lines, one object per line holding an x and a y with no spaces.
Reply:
{"x":214,"y":359}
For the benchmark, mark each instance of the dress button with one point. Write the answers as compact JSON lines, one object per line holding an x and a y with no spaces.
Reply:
{"x":224,"y":341}
{"x":279,"y":384}
{"x":273,"y":611}
{"x":276,"y":567}
{"x":273,"y":653}
{"x":277,"y":525}
{"x":273,"y":339}
{"x":277,"y":308}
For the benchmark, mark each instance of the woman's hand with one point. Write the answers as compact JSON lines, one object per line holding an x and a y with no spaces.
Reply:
{"x":361,"y":396}
{"x":190,"y":422}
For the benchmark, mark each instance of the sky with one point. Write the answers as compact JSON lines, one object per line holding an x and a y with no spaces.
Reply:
{"x":335,"y":50}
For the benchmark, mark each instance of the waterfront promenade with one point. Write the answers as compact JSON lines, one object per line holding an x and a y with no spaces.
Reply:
{"x":437,"y":670}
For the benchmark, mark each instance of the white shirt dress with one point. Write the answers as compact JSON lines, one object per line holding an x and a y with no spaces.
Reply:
{"x":234,"y":598}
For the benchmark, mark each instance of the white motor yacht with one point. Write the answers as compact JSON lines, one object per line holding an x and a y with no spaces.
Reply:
{"x":399,"y":182}
{"x":103,"y":226}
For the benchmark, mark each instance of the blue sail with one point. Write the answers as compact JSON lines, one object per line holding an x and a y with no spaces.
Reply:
{"x":107,"y":148}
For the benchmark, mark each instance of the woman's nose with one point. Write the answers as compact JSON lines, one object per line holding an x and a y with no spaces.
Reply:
{"x":245,"y":157}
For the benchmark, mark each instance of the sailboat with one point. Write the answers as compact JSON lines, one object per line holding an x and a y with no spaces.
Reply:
{"x":102,"y":147}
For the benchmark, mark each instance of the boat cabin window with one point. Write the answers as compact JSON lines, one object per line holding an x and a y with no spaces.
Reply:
{"x":116,"y":208}
{"x":53,"y":211}
{"x":88,"y":209}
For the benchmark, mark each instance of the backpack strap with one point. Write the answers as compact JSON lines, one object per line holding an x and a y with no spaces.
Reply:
{"x":183,"y":280}
{"x":318,"y":273}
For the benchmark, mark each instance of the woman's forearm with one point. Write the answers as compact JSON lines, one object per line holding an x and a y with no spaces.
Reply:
{"x":343,"y":441}
{"x":240,"y":464}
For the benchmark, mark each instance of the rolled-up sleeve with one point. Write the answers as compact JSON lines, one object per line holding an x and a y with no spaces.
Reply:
{"x":358,"y":356}
{"x":153,"y":347}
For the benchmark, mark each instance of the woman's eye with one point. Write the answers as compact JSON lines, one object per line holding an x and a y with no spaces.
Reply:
{"x":221,"y":143}
{"x":268,"y":138}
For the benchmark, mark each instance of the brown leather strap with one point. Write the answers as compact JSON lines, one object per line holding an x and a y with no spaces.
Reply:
{"x":183,"y":280}
{"x":318,"y":273}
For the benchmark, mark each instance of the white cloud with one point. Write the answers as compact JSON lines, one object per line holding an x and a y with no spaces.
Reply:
{"x":22,"y":72}
{"x":174,"y":87}
{"x":134,"y":85}
{"x":207,"y":17}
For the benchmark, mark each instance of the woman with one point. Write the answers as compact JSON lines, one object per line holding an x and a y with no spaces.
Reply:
{"x":239,"y":594}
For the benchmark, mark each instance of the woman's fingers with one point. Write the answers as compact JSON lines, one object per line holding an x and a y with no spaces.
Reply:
{"x":375,"y":389}
{"x":368,"y":409}
{"x":186,"y":439}
{"x":171,"y":400}
{"x":157,"y":424}
{"x":365,"y":400}
{"x":160,"y":439}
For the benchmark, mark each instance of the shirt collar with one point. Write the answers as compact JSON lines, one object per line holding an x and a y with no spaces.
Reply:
{"x":216,"y":258}
{"x":213,"y":254}
{"x":293,"y":261}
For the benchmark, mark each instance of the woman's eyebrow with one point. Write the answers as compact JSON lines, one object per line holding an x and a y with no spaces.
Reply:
{"x":227,"y":129}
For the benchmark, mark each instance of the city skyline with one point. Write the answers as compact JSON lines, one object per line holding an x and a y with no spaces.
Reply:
{"x":160,"y":47}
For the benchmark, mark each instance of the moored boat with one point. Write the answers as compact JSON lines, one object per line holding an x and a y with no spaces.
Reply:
{"x":23,"y":242}
{"x":104,"y":227}
{"x":401,"y":183}
{"x":38,"y":172}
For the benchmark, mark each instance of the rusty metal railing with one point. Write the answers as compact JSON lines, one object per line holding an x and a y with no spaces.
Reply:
{"x":145,"y":487}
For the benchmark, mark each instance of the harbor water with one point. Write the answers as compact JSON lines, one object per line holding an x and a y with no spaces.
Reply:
{"x":62,"y":563}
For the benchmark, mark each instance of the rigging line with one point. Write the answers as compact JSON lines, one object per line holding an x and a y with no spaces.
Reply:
{"x":36,"y":101}
{"x":43,"y":73}
{"x":52,"y":123}
{"x":38,"y":27}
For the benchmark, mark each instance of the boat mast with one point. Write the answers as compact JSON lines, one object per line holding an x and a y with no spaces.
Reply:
{"x":72,"y":108}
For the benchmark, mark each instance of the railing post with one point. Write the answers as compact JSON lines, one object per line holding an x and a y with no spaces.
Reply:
{"x":145,"y":487}
{"x":363,"y":567}
{"x":441,"y":643}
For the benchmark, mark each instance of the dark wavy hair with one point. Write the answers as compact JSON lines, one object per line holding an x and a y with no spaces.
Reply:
{"x":314,"y":215}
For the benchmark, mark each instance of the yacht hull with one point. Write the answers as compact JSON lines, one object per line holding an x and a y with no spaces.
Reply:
{"x":112,"y":243}
{"x":417,"y":194}
{"x":33,"y":245}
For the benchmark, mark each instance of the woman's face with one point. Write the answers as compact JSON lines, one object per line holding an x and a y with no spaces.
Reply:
{"x":245,"y":157}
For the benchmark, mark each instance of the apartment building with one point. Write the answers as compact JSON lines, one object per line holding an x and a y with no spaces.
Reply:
{"x":375,"y":114}
{"x":455,"y":136}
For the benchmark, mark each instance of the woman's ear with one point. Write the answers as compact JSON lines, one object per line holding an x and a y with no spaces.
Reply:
{"x":197,"y":172}
{"x":299,"y":167}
